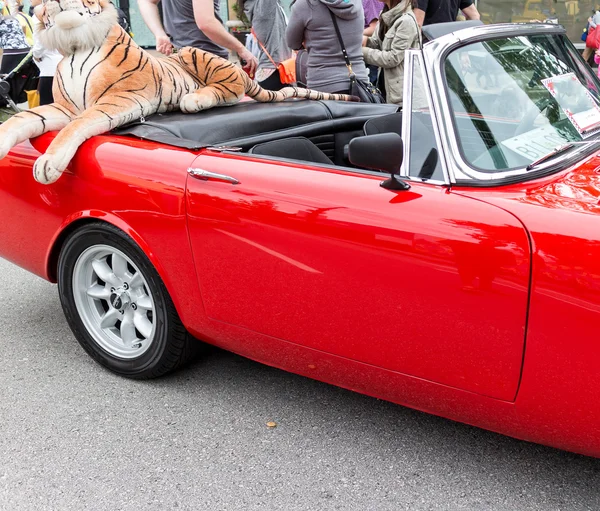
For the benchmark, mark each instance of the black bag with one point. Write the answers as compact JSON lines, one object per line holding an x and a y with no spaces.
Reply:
{"x":366,"y":91}
{"x":362,"y":89}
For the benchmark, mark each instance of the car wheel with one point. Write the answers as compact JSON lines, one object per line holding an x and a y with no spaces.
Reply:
{"x":117,"y":306}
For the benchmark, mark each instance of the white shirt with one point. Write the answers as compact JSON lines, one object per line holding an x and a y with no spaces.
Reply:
{"x":46,"y":60}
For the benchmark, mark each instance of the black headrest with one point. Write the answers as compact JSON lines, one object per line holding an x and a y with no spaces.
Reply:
{"x":436,"y":30}
{"x":391,"y":123}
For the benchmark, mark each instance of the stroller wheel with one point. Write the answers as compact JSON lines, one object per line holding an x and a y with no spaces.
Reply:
{"x":4,"y":88}
{"x":4,"y":94}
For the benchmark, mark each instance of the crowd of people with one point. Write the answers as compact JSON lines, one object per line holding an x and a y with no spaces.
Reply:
{"x":344,"y":40}
{"x":18,"y":36}
{"x":591,"y":39}
{"x":366,"y":39}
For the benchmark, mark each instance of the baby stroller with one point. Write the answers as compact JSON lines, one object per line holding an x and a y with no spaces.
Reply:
{"x":18,"y":73}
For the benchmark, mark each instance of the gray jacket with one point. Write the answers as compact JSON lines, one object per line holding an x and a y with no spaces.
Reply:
{"x":268,"y":23}
{"x":403,"y":33}
{"x":310,"y":22}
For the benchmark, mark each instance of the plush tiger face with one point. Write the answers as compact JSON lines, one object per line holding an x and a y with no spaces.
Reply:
{"x":70,"y":26}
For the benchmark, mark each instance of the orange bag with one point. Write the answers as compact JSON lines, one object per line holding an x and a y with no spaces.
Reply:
{"x":286,"y":68}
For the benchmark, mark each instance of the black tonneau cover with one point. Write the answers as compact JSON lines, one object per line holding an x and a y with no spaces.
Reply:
{"x":220,"y":126}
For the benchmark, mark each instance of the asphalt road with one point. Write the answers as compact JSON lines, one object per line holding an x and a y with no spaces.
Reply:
{"x":73,"y":436}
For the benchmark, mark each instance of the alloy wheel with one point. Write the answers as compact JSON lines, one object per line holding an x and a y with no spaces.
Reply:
{"x":114,"y":302}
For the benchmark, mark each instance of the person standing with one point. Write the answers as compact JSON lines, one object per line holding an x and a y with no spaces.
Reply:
{"x":268,"y":24}
{"x":594,"y":22}
{"x":12,"y":38}
{"x":46,"y":60}
{"x":397,"y":31}
{"x":13,"y":46}
{"x":429,"y":12}
{"x":372,"y":9}
{"x":311,"y":26}
{"x":25,"y":22}
{"x":194,"y":23}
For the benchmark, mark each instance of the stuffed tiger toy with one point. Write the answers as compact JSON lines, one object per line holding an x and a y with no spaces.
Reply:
{"x":105,"y":80}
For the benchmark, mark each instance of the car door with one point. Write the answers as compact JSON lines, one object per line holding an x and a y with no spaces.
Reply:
{"x":423,"y":282}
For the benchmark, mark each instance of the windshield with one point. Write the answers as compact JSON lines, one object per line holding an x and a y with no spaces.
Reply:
{"x":514,"y":100}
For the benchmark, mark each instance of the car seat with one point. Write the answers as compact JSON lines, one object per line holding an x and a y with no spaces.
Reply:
{"x":391,"y":123}
{"x":293,"y":148}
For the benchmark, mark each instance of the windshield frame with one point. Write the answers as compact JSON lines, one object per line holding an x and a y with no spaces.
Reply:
{"x":461,"y":171}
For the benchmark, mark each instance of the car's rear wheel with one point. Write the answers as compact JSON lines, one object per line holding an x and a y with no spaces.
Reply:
{"x":117,"y":306}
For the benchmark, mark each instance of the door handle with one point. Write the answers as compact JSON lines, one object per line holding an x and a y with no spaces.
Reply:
{"x":205,"y":175}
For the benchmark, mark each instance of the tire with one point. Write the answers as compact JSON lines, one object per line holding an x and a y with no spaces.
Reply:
{"x":118,"y":307}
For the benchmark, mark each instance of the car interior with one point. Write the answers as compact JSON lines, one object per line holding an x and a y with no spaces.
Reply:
{"x":316,"y":132}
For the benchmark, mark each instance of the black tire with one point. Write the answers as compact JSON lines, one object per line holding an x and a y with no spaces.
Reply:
{"x":171,"y":346}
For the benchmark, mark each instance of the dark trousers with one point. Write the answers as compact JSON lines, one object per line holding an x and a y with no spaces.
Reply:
{"x":373,"y":70}
{"x":45,"y":90}
{"x":273,"y":82}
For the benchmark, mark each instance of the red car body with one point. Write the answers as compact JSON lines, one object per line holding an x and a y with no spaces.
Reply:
{"x":475,"y":303}
{"x":322,"y":280}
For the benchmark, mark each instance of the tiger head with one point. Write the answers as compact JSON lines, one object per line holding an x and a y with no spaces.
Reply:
{"x":70,"y":26}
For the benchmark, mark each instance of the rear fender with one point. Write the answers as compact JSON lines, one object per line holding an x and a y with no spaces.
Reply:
{"x":75,"y":221}
{"x":181,"y":285}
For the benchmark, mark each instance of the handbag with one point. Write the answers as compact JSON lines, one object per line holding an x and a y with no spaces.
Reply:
{"x":365,"y":91}
{"x":286,"y":68}
{"x":585,"y":33}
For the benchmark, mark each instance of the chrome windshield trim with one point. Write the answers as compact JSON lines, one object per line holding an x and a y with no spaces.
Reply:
{"x":434,"y":55}
{"x":413,"y":56}
{"x":482,"y":32}
{"x":409,"y":58}
{"x":426,"y":181}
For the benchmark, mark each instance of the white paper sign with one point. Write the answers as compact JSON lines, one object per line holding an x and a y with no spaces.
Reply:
{"x":535,"y":143}
{"x":576,"y":102}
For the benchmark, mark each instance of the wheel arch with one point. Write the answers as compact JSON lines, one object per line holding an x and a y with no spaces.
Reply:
{"x":83,"y":218}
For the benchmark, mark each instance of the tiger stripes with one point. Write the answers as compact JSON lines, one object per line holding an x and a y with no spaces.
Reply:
{"x":100,"y":88}
{"x":195,"y":60}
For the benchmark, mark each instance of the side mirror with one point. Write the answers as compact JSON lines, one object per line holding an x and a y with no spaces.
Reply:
{"x":379,"y":152}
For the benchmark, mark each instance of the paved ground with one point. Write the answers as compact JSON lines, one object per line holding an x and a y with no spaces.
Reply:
{"x":73,"y":436}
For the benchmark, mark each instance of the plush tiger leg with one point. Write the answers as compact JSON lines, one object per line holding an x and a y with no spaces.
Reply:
{"x":32,"y":123}
{"x":223,"y":83}
{"x":106,"y":114}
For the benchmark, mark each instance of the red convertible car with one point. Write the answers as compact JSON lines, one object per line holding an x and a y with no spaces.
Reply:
{"x":445,"y":257}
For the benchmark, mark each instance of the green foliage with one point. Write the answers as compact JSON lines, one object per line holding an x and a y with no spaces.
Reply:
{"x":241,"y":16}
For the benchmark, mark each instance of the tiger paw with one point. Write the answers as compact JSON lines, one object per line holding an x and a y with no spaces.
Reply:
{"x":44,"y":170}
{"x":191,"y":103}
